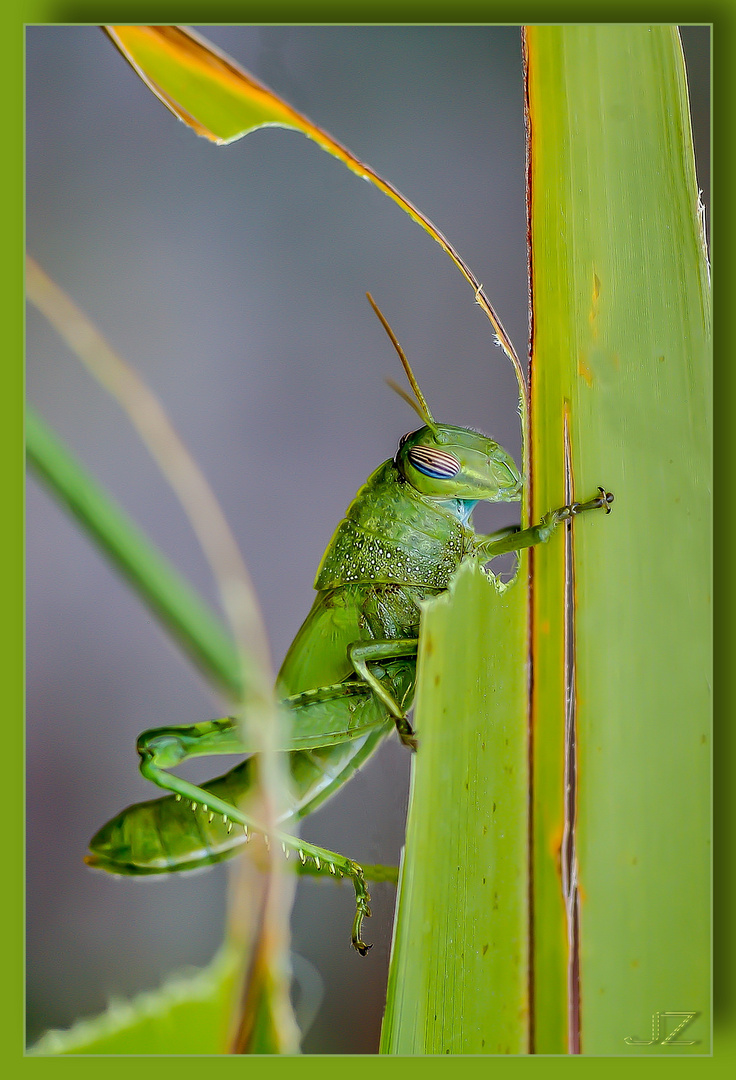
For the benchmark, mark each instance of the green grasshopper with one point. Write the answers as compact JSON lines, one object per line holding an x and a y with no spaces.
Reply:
{"x":348,"y":678}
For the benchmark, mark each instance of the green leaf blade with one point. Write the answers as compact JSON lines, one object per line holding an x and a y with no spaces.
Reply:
{"x":458,"y":981}
{"x":622,"y":349}
{"x":187,"y":1015}
{"x":168,"y":596}
{"x":199,"y":84}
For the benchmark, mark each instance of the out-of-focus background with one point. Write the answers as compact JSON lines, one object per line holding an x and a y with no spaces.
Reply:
{"x":233,"y":279}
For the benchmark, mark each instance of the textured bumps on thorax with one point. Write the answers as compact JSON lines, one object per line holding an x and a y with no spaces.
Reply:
{"x":391,"y":533}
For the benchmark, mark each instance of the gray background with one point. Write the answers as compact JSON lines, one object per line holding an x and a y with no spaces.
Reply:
{"x":233,"y":279}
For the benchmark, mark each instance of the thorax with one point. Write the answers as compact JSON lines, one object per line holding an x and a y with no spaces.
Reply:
{"x":393,"y":535}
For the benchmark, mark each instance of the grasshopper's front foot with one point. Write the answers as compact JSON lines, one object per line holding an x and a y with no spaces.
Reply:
{"x":602,"y":502}
{"x":556,"y":517}
{"x":542,"y":532}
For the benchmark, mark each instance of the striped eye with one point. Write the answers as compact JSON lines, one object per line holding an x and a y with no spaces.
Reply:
{"x":435,"y":463}
{"x":403,"y":438}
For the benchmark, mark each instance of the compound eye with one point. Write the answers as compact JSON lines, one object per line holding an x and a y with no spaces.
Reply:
{"x":403,"y":438}
{"x":435,"y":463}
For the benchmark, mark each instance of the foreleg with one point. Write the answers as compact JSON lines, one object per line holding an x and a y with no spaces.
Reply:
{"x":498,"y":544}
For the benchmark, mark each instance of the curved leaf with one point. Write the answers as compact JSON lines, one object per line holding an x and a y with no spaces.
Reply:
{"x":218,"y":99}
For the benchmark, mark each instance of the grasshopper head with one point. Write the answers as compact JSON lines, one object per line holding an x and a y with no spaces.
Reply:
{"x":446,"y":462}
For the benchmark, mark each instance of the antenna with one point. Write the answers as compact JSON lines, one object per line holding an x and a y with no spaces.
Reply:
{"x":422,"y":408}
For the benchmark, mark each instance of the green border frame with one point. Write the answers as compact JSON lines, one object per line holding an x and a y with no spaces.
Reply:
{"x":14,"y":16}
